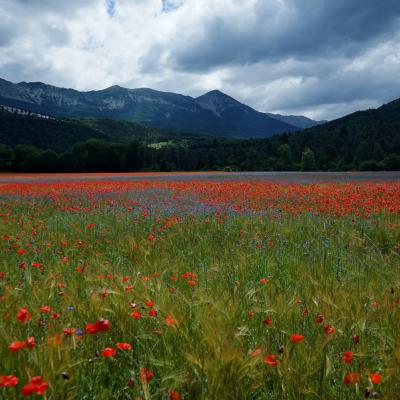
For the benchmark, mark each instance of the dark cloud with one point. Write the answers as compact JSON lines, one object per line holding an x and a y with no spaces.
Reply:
{"x":293,"y":28}
{"x":322,"y":58}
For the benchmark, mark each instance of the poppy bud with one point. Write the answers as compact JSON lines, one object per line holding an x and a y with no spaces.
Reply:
{"x":356,"y":339}
{"x":370,"y":394}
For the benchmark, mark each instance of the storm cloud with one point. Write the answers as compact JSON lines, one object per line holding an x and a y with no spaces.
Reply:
{"x":320,"y":58}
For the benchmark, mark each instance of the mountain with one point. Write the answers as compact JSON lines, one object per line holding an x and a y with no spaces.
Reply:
{"x":297,"y":120}
{"x":213,"y":113}
{"x":365,"y":140}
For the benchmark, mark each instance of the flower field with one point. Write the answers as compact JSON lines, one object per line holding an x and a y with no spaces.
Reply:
{"x":199,"y":289}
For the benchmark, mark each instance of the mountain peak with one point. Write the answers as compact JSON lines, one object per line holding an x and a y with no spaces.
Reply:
{"x":217,"y":101}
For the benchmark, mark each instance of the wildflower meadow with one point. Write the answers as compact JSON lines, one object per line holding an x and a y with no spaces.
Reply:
{"x":199,"y":289}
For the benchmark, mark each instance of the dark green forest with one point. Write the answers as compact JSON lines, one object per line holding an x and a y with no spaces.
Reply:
{"x":367,"y":140}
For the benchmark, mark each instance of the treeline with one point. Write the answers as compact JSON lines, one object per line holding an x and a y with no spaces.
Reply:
{"x":280,"y":153}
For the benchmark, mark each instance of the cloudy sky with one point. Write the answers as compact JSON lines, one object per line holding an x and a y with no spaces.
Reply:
{"x":320,"y":58}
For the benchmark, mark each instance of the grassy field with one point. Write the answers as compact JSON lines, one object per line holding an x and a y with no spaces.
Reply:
{"x":198,"y":289}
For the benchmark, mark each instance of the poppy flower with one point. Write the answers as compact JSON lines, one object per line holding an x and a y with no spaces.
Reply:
{"x":296,"y":338}
{"x":35,"y":385}
{"x":319,"y":319}
{"x":267,"y":321}
{"x":136,"y":314}
{"x":256,"y":352}
{"x":108,"y":352}
{"x":69,"y":331}
{"x":356,"y":339}
{"x":375,"y":378}
{"x":45,"y":309}
{"x":347,"y":357}
{"x":192,"y":283}
{"x":128,"y":288}
{"x":31,"y":342}
{"x":169,"y":320}
{"x":16,"y":346}
{"x":21,"y":251}
{"x":263,"y":281}
{"x":102,"y":325}
{"x":23,"y":315}
{"x":145,"y":374}
{"x":36,"y":264}
{"x":153,"y":313}
{"x":271,"y":360}
{"x":8,"y":380}
{"x":329,"y":330}
{"x":352,"y":377}
{"x":149,"y":303}
{"x":124,"y":346}
{"x":174,"y":395}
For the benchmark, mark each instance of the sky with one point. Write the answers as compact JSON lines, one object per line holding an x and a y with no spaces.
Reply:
{"x":319,"y":58}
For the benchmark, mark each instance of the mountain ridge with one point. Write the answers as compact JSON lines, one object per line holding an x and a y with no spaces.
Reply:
{"x":214,"y":112}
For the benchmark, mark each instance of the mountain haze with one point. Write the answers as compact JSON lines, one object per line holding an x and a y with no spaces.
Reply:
{"x":213,"y":113}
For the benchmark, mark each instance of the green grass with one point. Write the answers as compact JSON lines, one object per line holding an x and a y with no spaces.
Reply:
{"x":347,"y":270}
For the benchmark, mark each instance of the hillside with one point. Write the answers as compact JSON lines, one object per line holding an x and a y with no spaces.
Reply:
{"x":359,"y":140}
{"x":61,"y":134}
{"x":214,"y":113}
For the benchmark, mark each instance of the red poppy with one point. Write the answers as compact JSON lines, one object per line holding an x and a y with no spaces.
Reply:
{"x":256,"y":352}
{"x":23,"y":315}
{"x":296,"y":338}
{"x":145,"y":374}
{"x":69,"y":331}
{"x":128,"y":288}
{"x":267,"y":321}
{"x":108,"y":352}
{"x":192,"y":283}
{"x":8,"y":380}
{"x":352,"y":377}
{"x":102,"y":325}
{"x":16,"y":346}
{"x":347,"y":357}
{"x":21,"y":251}
{"x":153,"y":313}
{"x":36,"y":265}
{"x":319,"y":319}
{"x":271,"y":360}
{"x":31,"y":342}
{"x":263,"y":281}
{"x":174,"y":395}
{"x":45,"y":309}
{"x":375,"y":378}
{"x":329,"y":330}
{"x":136,"y":314}
{"x":169,"y":320}
{"x":149,"y":303}
{"x":35,"y":385}
{"x":124,"y":346}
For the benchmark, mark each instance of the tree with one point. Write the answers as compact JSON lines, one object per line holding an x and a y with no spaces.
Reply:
{"x":6,"y":157}
{"x":308,"y":160}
